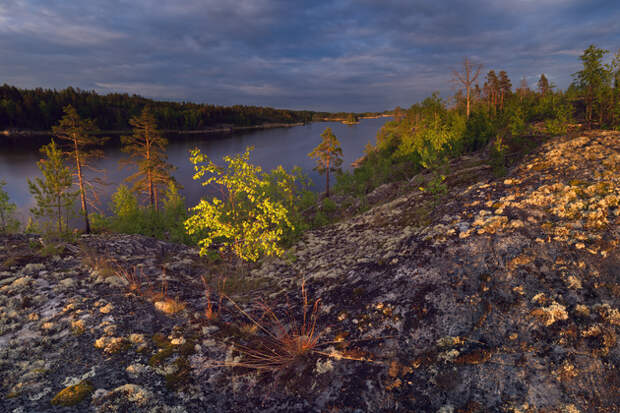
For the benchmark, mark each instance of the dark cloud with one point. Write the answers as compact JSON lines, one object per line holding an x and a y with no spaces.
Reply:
{"x":327,"y":55}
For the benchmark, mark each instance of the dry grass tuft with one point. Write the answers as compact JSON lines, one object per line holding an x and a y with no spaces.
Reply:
{"x":281,"y":343}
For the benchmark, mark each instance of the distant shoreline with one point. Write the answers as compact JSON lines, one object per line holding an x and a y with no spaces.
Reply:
{"x":19,"y":133}
{"x":13,"y":134}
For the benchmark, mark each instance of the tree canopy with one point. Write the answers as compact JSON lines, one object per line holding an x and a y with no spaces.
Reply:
{"x":328,"y":155}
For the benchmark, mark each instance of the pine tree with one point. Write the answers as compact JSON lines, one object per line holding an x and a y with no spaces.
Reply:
{"x":491,"y":88}
{"x":328,"y":155}
{"x":504,"y":87}
{"x":543,"y":84}
{"x":147,"y":149}
{"x":592,"y":78}
{"x":523,"y":89}
{"x":53,"y":195}
{"x":82,"y":148}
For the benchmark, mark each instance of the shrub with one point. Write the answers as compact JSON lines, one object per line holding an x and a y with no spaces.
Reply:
{"x":247,"y":221}
{"x":562,"y":116}
{"x":130,"y":218}
{"x":8,"y":223}
{"x":498,"y":156}
{"x":479,"y":130}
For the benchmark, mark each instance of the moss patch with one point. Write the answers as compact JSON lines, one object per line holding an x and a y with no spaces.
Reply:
{"x":72,"y":395}
{"x":159,"y":357}
{"x":181,"y":376}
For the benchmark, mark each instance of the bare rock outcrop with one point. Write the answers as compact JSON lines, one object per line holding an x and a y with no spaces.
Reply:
{"x":501,"y":296}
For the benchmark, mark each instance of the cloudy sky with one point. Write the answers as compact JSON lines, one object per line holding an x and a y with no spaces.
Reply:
{"x":350,"y":55}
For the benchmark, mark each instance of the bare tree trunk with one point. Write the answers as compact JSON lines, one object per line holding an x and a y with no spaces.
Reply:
{"x":59,"y":216}
{"x":468,"y":88}
{"x":467,"y":78}
{"x":327,"y":180}
{"x":81,"y":185}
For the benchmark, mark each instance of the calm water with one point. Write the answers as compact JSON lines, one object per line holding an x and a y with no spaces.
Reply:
{"x":288,"y":147}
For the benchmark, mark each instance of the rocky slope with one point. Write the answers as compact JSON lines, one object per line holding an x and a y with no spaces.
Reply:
{"x":501,"y":296}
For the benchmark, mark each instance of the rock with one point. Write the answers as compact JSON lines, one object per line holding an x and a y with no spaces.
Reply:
{"x":503,"y":296}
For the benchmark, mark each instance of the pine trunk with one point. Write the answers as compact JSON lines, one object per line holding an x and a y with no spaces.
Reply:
{"x":468,"y":103}
{"x":82,"y":190}
{"x":327,"y":180}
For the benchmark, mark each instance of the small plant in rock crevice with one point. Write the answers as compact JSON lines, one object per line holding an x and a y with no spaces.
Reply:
{"x":271,"y":342}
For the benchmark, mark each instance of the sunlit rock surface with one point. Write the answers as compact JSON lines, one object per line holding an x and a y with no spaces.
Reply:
{"x":502,"y":296}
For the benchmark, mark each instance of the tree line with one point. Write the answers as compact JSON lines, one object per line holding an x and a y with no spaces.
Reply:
{"x":488,"y":111}
{"x":40,"y":109}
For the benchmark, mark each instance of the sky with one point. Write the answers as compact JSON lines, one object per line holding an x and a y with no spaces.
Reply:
{"x":338,"y":55}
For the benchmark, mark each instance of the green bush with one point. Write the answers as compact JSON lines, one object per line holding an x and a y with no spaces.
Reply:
{"x":8,"y":223}
{"x":498,"y":157}
{"x":517,"y":120}
{"x":130,"y":218}
{"x":562,"y":116}
{"x":479,"y":130}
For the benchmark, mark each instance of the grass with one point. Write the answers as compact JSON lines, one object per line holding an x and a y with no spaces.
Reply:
{"x":282,"y":343}
{"x":272,"y":343}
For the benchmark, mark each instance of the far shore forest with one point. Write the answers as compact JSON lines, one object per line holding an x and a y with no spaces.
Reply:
{"x":38,"y":110}
{"x":261,"y":213}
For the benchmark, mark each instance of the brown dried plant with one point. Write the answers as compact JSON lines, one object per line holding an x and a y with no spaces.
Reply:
{"x":282,"y":343}
{"x":210,"y":313}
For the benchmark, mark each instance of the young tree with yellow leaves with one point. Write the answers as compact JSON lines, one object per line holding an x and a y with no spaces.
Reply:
{"x":246,"y":219}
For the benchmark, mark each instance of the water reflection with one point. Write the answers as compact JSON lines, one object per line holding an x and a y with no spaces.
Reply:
{"x":288,"y":147}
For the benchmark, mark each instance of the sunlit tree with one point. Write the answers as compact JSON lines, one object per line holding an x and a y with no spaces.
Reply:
{"x":82,"y":147}
{"x":505,"y":87}
{"x":53,"y":195}
{"x":592,"y":79}
{"x":328,"y":155}
{"x":147,"y":149}
{"x":543,"y":85}
{"x":245,"y":220}
{"x":467,"y":77}
{"x":8,"y":223}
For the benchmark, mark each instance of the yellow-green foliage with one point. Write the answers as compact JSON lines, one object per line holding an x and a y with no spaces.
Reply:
{"x":247,"y":220}
{"x":8,"y":223}
{"x":72,"y":395}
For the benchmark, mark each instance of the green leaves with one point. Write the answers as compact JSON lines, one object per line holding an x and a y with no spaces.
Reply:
{"x":246,"y":220}
{"x":8,"y":223}
{"x":53,"y":195}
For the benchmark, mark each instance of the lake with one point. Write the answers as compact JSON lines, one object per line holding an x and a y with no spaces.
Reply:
{"x":288,"y":147}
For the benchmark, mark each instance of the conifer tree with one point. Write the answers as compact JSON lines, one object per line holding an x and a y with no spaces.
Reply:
{"x":53,"y":195}
{"x":592,"y":78}
{"x":328,"y":155}
{"x":504,"y":86}
{"x":147,"y":149}
{"x":82,"y":148}
{"x":491,"y":88}
{"x":523,"y":89}
{"x":543,"y":84}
